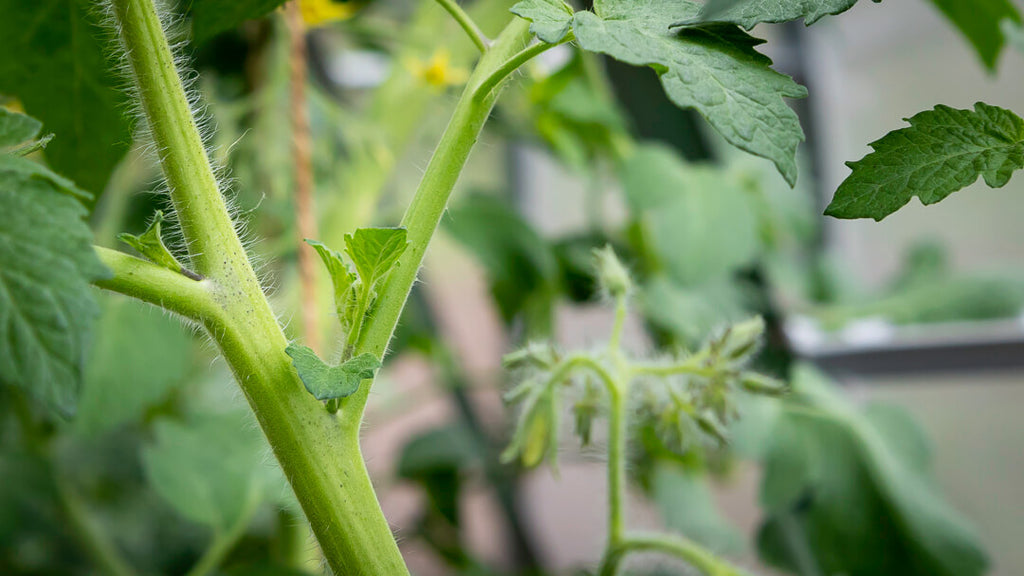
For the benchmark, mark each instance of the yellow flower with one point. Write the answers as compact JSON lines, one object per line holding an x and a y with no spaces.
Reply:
{"x":438,"y":71}
{"x":320,"y":12}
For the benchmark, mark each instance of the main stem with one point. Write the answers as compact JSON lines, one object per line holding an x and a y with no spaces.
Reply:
{"x":428,"y":204}
{"x":320,"y":458}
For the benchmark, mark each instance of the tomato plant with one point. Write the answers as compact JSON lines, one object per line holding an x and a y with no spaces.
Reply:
{"x":692,"y":229}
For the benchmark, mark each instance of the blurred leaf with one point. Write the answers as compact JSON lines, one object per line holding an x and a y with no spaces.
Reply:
{"x":47,"y":308}
{"x":702,"y":225}
{"x":520,"y":264}
{"x":211,"y":17}
{"x":856,"y":487}
{"x":687,"y":505}
{"x":691,"y":314}
{"x":438,"y":449}
{"x":138,"y":356}
{"x":327,"y":382}
{"x":210,"y":469}
{"x":979,"y":21}
{"x":57,"y":67}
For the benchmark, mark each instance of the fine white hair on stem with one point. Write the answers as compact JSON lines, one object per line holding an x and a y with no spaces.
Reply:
{"x":176,"y":32}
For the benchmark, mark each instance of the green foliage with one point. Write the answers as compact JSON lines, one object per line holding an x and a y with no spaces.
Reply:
{"x":151,"y":245}
{"x":714,"y":70}
{"x":211,"y":17}
{"x":57,"y":66}
{"x":16,"y":128}
{"x":519,"y":263}
{"x":210,"y":470}
{"x":138,"y":356}
{"x":700,"y":223}
{"x":552,"y":19}
{"x":374,"y":252}
{"x":47,"y":309}
{"x":327,"y":382}
{"x":687,"y":505}
{"x":749,"y":13}
{"x":943,"y":150}
{"x":855,"y":486}
{"x":979,"y":21}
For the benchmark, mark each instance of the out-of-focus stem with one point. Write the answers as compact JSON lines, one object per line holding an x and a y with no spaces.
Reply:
{"x":305,"y":221}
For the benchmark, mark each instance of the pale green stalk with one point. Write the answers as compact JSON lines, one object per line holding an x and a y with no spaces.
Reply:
{"x":424,"y":212}
{"x":320,"y":458}
{"x":670,"y":545}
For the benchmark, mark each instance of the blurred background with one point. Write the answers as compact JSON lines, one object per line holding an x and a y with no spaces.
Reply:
{"x":921,"y":312}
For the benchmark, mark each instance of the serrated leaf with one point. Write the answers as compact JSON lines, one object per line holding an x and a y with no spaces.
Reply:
{"x":47,"y":308}
{"x":211,"y":17}
{"x":17,"y":128}
{"x":374,"y":251}
{"x":341,"y":277}
{"x":748,"y":13}
{"x":327,"y":382}
{"x":212,"y":470}
{"x":713,"y":69}
{"x":943,"y":150}
{"x":979,"y":21}
{"x":138,"y":357}
{"x":151,"y":245}
{"x":58,"y":66}
{"x":551,"y":19}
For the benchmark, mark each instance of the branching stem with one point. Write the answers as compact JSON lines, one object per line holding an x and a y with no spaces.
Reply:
{"x":513,"y":63}
{"x":671,"y":545}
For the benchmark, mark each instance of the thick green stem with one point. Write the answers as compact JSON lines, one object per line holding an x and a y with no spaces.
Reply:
{"x":205,"y":221}
{"x":320,"y":458}
{"x":677,"y":546}
{"x":616,"y":466}
{"x":431,"y":198}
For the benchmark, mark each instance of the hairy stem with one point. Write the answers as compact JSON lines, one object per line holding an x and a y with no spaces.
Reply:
{"x":513,"y":63}
{"x":472,"y":30}
{"x":319,"y":457}
{"x":424,"y":212}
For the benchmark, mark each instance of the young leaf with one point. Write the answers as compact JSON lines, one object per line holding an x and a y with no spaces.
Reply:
{"x":341,"y":277}
{"x":151,"y":245}
{"x":374,"y":251}
{"x":16,"y":128}
{"x":748,"y":13}
{"x":942,"y":151}
{"x":979,"y":21}
{"x":327,"y":382}
{"x":208,"y":469}
{"x":56,"y":64}
{"x":47,"y":308}
{"x":551,"y":19}
{"x":713,"y":69}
